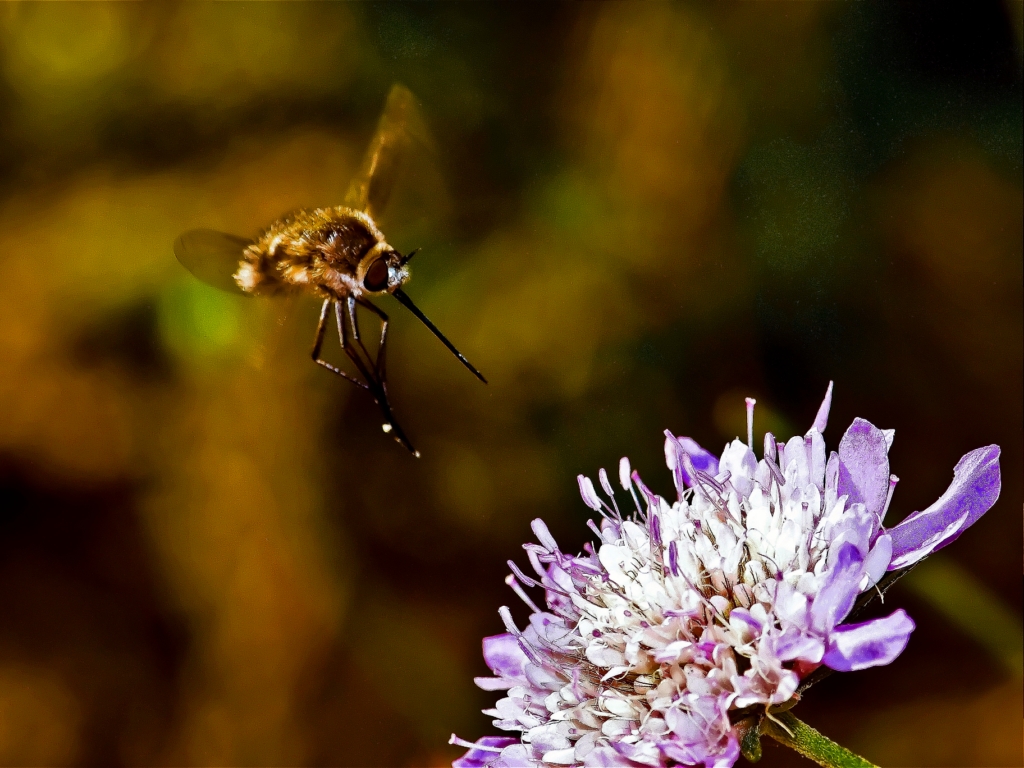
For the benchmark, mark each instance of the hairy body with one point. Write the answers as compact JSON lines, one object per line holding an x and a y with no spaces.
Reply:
{"x":331,"y":252}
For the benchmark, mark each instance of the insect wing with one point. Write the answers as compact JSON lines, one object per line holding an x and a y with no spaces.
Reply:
{"x":212,"y":257}
{"x":400,"y":126}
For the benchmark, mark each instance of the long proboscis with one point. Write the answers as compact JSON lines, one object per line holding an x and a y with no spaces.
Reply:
{"x":402,"y":297}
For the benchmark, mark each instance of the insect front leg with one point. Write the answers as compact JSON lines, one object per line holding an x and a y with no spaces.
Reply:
{"x":321,"y":329}
{"x":381,"y":362}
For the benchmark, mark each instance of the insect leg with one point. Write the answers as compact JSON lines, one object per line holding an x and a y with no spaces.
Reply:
{"x":379,"y":387}
{"x":381,"y":364}
{"x":372,"y":383}
{"x":321,"y":329}
{"x":350,"y":305}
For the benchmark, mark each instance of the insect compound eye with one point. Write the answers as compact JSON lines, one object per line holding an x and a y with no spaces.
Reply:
{"x":376,"y":276}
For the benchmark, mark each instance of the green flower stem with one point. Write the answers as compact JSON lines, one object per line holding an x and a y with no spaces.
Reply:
{"x":810,"y":743}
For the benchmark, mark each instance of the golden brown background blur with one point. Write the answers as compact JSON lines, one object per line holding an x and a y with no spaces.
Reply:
{"x":637,"y":214}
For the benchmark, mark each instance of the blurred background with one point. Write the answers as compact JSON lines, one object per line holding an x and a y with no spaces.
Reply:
{"x":637,"y":214}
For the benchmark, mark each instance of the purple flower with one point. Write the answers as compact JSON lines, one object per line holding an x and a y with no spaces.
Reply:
{"x":688,"y":611}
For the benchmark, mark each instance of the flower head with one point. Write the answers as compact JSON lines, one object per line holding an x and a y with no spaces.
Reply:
{"x":686,"y":614}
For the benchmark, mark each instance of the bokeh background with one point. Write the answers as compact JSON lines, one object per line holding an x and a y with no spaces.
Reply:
{"x":636,"y":214}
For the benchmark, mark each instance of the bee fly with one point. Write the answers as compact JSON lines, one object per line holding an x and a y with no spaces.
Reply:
{"x":337,"y":254}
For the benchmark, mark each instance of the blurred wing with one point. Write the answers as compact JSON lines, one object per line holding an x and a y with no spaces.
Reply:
{"x":400,"y":126}
{"x":212,"y":257}
{"x":275,"y":344}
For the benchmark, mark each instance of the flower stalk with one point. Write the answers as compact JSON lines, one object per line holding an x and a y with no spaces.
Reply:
{"x":789,"y":730}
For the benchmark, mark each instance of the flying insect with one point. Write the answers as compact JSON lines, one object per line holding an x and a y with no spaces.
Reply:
{"x":336,"y":254}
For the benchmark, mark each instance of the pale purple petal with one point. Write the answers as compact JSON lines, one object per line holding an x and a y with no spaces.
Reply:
{"x":504,"y":656}
{"x":515,"y":756}
{"x":699,"y":737}
{"x":869,"y":644}
{"x":878,"y":560}
{"x":842,"y":585}
{"x":794,"y":644}
{"x":864,"y":466}
{"x":494,"y":683}
{"x":700,"y":459}
{"x":975,"y":488}
{"x":934,"y":541}
{"x":797,"y":462}
{"x":741,"y":620}
{"x":604,"y":757}
{"x":856,"y":525}
{"x":643,"y":753}
{"x":821,"y":420}
{"x":740,"y":462}
{"x":550,"y":741}
{"x":790,"y":605}
{"x":564,"y":756}
{"x":695,"y":753}
{"x":727,"y":757}
{"x":479,"y":758}
{"x":542,"y":679}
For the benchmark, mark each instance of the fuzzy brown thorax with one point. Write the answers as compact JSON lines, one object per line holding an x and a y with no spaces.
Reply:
{"x":328,"y":251}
